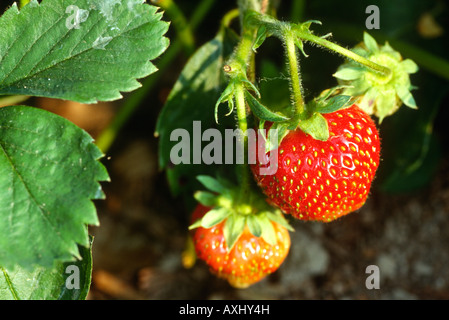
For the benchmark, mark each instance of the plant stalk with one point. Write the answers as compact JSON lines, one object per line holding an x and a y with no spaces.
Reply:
{"x":386,"y":72}
{"x":295,"y":77}
{"x":238,"y":66}
{"x":277,"y":28}
{"x":243,"y":126}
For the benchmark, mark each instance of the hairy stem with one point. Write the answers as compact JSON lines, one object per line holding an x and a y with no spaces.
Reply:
{"x":425,"y":59}
{"x":295,"y":78}
{"x":277,"y":27}
{"x":238,"y":67}
{"x":386,"y":72}
{"x":243,"y":126}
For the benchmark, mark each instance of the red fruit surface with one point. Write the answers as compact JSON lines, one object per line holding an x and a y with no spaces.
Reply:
{"x":324,"y":180}
{"x":250,"y":259}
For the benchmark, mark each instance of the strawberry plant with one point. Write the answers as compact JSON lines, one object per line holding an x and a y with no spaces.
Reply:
{"x":321,"y":154}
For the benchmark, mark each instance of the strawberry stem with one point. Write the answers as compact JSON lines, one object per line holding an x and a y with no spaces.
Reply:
{"x":295,"y":77}
{"x":386,"y":72}
{"x":243,"y":126}
{"x":237,"y":69}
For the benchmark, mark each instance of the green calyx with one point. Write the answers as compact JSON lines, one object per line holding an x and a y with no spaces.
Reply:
{"x":377,"y":93}
{"x":228,"y":207}
{"x":311,"y":121}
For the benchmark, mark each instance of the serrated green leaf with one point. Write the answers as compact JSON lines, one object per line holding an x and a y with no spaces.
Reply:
{"x":84,"y":50}
{"x":50,"y":173}
{"x":64,"y":281}
{"x":316,"y":126}
{"x":262,"y":112}
{"x":214,"y":217}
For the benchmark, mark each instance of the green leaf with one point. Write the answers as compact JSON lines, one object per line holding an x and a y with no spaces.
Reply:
{"x":84,"y":50}
{"x":333,"y":104}
{"x":370,"y":42}
{"x":226,"y":96}
{"x":50,"y":176}
{"x":279,"y":128}
{"x":268,"y":232}
{"x":280,"y":219}
{"x":262,"y":34}
{"x":349,"y":73}
{"x":406,"y":97}
{"x":211,"y":184}
{"x":207,"y":199}
{"x":409,"y":66}
{"x":85,"y":264}
{"x":262,"y":112}
{"x":64,"y":281}
{"x":316,"y":126}
{"x":300,"y":44}
{"x":386,"y":104}
{"x":233,"y":228}
{"x":214,"y":217}
{"x":254,"y":226}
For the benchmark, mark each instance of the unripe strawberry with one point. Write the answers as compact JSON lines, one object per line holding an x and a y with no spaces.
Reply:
{"x":249,"y":260}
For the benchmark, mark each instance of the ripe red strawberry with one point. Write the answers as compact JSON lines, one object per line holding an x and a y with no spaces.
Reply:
{"x":249,"y":260}
{"x":324,"y":180}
